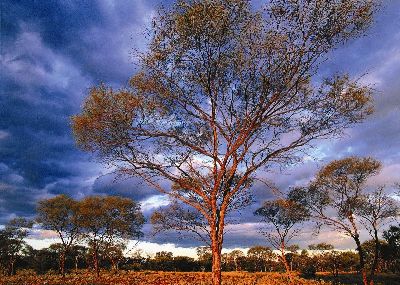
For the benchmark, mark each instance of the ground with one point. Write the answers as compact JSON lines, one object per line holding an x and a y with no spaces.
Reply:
{"x":151,"y":278}
{"x":179,"y":278}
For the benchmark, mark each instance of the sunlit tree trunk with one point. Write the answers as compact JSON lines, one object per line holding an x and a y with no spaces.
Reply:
{"x":216,"y":247}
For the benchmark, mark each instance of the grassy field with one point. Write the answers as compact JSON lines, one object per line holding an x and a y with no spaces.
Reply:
{"x":152,"y":278}
{"x":181,"y":278}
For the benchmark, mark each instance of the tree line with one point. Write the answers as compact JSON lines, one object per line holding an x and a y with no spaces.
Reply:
{"x":317,"y":257}
{"x":102,"y":223}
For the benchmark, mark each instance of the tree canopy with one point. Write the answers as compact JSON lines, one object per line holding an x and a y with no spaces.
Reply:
{"x":223,"y":90}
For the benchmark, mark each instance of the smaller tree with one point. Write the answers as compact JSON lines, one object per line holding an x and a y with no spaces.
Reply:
{"x":113,"y":252}
{"x":392,"y":250}
{"x":163,"y":260}
{"x":335,"y":261}
{"x":204,"y":256}
{"x":234,"y":258}
{"x":284,"y":215}
{"x":321,"y":246}
{"x":258,"y":257}
{"x":79,"y":253}
{"x":12,"y":242}
{"x":377,"y":208}
{"x":59,"y":214}
{"x":336,"y":196}
{"x":107,"y":220}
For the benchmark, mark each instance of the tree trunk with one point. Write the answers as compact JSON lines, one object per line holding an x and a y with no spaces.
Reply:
{"x":217,"y":234}
{"x":76,"y":263}
{"x":376,"y":258}
{"x":11,"y":267}
{"x":62,"y":263}
{"x":216,"y":263}
{"x":96,"y":262}
{"x":286,"y":264}
{"x":362,"y":260}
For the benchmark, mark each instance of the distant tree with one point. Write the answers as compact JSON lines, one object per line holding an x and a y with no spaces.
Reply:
{"x":204,"y":256}
{"x":258,"y":258}
{"x":113,"y":252}
{"x":44,"y":260}
{"x":107,"y":220}
{"x":373,"y":259}
{"x":185,"y":264}
{"x":284,"y":215}
{"x":59,"y":214}
{"x":164,"y":260}
{"x":336,"y":196}
{"x":377,"y":209}
{"x":12,"y":242}
{"x":392,"y":250}
{"x":336,"y":261}
{"x":234,"y":258}
{"x":79,"y":253}
{"x":223,"y":91}
{"x":321,"y":246}
{"x":294,"y":247}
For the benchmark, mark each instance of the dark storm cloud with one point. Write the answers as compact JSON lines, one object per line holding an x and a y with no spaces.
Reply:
{"x":53,"y":51}
{"x":133,"y":188}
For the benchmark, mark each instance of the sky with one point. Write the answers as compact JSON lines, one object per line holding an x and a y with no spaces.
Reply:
{"x":52,"y":52}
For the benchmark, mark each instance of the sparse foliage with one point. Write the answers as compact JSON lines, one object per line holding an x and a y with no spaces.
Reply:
{"x":223,"y":91}
{"x":284,"y":215}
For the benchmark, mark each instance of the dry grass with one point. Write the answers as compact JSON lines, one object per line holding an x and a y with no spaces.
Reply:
{"x":152,"y":278}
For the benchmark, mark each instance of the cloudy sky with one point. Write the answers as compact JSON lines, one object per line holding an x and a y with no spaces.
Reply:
{"x":53,"y":51}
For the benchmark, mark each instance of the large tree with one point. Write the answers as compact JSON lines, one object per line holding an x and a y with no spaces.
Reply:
{"x":223,"y":92}
{"x":107,"y":220}
{"x":59,"y":214}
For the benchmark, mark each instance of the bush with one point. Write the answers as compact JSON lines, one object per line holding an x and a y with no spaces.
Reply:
{"x":309,"y":271}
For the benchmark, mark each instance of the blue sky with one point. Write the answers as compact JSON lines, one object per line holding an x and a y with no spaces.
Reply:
{"x":53,"y":51}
